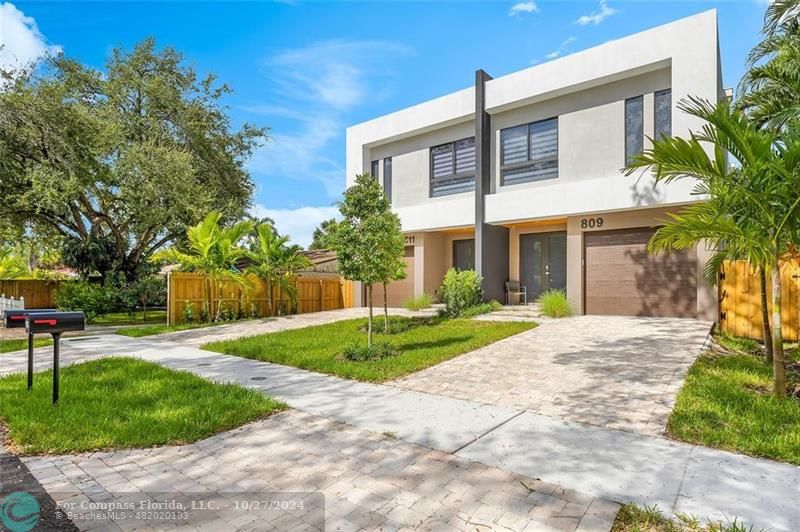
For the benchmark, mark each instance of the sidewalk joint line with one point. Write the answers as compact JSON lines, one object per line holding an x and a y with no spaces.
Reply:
{"x":491,"y":429}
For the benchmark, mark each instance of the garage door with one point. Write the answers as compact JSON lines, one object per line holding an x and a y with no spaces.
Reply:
{"x":621,"y":278}
{"x":398,"y":291}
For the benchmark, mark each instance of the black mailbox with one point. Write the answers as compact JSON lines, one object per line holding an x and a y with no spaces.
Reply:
{"x":55,"y":322}
{"x":15,"y":319}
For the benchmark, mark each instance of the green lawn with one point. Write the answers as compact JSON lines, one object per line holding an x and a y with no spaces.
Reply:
{"x":726,"y":403}
{"x":421,"y":343}
{"x":117,"y":403}
{"x":150,"y":330}
{"x":137,"y":318}
{"x":19,"y":344}
{"x":634,"y":518}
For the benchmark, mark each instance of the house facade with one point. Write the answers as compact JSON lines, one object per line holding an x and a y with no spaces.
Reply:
{"x":520,"y":176}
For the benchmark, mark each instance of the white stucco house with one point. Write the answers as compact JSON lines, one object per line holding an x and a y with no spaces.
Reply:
{"x":520,"y":176}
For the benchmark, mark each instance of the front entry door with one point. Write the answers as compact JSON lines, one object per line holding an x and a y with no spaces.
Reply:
{"x":543,"y":262}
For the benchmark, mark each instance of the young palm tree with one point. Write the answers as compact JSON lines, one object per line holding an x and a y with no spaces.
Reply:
{"x":290,"y":262}
{"x":752,"y":208}
{"x":264,"y":254}
{"x":12,"y":266}
{"x":212,"y":250}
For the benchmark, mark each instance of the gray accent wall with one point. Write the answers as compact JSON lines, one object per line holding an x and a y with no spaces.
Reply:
{"x":491,"y":241}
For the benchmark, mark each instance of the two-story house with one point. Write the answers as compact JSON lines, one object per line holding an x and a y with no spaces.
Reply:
{"x":520,"y":176}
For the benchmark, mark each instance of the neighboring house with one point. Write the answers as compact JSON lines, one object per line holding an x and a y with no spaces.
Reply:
{"x":530,"y":186}
{"x":323,"y":263}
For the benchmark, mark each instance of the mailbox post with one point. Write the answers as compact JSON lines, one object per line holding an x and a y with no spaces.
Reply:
{"x":55,"y":323}
{"x":15,"y":319}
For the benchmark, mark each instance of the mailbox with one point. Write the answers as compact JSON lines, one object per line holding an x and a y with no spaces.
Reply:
{"x":55,"y":322}
{"x":15,"y":319}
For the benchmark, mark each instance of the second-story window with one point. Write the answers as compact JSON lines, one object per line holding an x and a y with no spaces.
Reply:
{"x":387,"y":178}
{"x":453,"y":167}
{"x":634,"y":128}
{"x":529,"y":152}
{"x":662,"y":102}
{"x":373,"y":169}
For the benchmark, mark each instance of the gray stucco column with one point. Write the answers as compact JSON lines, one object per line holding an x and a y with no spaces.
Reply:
{"x":491,"y":241}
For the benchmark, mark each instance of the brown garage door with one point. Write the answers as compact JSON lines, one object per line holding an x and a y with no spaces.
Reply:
{"x":621,"y":278}
{"x":398,"y":291}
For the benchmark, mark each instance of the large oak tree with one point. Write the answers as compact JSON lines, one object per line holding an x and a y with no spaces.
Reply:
{"x":125,"y":158}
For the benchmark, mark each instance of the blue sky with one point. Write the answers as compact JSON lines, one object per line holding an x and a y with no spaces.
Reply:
{"x":310,"y":69}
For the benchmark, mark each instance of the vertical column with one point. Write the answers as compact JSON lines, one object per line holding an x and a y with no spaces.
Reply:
{"x":491,"y":241}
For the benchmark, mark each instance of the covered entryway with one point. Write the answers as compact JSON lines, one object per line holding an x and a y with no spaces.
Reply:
{"x":398,"y":291}
{"x":622,"y":278}
{"x":543,"y":262}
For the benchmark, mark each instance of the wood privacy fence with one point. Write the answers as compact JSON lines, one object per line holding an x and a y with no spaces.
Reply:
{"x":38,"y":293}
{"x":740,"y":300}
{"x":313,"y":295}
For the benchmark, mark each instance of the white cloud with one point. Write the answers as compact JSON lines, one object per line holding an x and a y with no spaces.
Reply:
{"x":314,"y":87}
{"x":560,"y":50}
{"x":522,"y":7}
{"x":21,"y":42}
{"x":298,"y":223}
{"x":597,"y":16}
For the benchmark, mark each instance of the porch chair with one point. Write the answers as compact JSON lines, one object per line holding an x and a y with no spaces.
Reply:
{"x":513,"y":288}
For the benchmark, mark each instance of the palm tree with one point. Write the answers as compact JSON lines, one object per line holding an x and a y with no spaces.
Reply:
{"x":212,"y":250}
{"x":12,"y":266}
{"x":752,"y":208}
{"x":264,"y":253}
{"x":290,"y":262}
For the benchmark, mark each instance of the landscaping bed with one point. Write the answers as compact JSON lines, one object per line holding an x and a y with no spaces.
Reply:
{"x":418,"y":343}
{"x":118,"y":403}
{"x":726,"y":402}
{"x":132,"y":318}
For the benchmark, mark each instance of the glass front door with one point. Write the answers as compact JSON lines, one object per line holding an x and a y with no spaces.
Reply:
{"x":543,"y":262}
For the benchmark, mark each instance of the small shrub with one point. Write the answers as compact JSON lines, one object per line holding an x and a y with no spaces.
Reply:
{"x":188,"y":312}
{"x":363,"y":353}
{"x":482,"y":308}
{"x":93,"y":299}
{"x":419,"y":302}
{"x":554,"y":304}
{"x":460,"y":291}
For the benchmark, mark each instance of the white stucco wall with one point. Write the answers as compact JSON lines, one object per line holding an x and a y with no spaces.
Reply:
{"x":586,"y":90}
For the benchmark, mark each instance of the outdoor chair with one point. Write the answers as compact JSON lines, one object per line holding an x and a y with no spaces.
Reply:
{"x":513,"y":288}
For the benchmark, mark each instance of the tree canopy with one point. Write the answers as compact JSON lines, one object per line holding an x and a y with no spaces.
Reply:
{"x":125,"y":159}
{"x":324,"y":236}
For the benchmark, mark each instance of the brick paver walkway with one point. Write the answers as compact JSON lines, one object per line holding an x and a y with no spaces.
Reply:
{"x":369,"y":481}
{"x":609,"y":371}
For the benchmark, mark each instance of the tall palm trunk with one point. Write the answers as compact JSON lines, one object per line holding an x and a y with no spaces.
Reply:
{"x":270,"y":297}
{"x":385,"y":310}
{"x":778,"y":367}
{"x":218,"y":315}
{"x":280,"y":299}
{"x":762,"y":270}
{"x":369,"y":318}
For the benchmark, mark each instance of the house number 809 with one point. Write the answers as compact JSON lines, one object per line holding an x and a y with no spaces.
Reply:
{"x":591,"y":223}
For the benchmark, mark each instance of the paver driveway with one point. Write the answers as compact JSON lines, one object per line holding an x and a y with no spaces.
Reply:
{"x":610,"y":371}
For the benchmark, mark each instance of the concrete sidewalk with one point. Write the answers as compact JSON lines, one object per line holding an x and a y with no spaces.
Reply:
{"x":602,"y":462}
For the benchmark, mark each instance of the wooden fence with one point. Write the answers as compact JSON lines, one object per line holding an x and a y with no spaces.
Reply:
{"x":740,"y":300}
{"x":38,"y":293}
{"x":313,"y":295}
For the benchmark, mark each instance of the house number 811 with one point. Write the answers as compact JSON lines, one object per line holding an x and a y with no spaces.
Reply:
{"x":591,"y":223}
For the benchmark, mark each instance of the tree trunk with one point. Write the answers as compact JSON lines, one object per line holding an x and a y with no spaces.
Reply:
{"x":369,"y":318}
{"x":280,"y":300}
{"x":765,"y":313}
{"x":218,"y":315}
{"x":385,"y":311}
{"x":778,"y":367}
{"x":270,"y":298}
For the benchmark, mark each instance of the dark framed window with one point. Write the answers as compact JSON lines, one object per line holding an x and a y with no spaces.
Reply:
{"x":453,"y":167}
{"x":662,"y":102}
{"x":529,"y":152}
{"x":464,"y":254}
{"x":387,"y":178}
{"x":634,"y":128}
{"x":373,"y":169}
